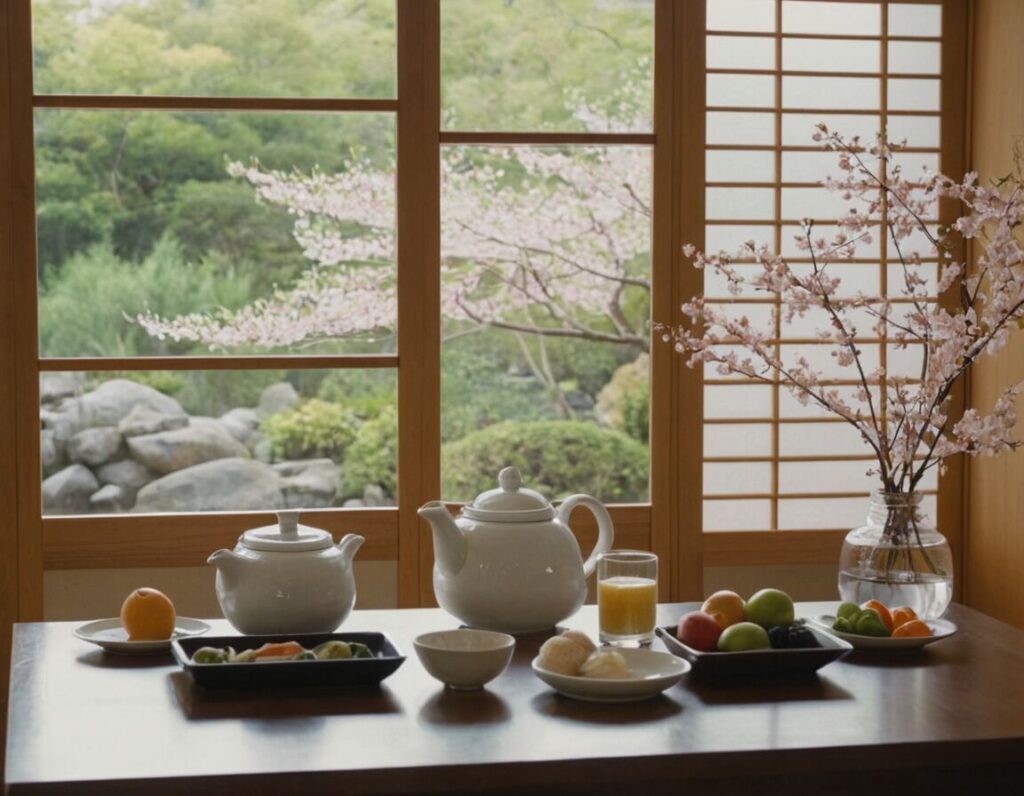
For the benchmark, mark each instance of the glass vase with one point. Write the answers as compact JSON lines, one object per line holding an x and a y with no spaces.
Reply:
{"x":897,"y":558}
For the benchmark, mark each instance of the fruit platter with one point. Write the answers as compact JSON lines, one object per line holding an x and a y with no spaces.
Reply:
{"x":341,"y":660}
{"x":730,"y":636}
{"x":875,"y":627}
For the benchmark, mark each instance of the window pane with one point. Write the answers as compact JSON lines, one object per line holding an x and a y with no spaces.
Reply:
{"x":751,"y":15}
{"x":736,"y":515}
{"x":919,"y":131}
{"x":798,"y":128}
{"x":829,"y":55}
{"x":734,"y":166}
{"x":737,"y":439}
{"x":172,"y":441}
{"x":740,"y":203}
{"x":819,"y":513}
{"x":751,"y":91}
{"x":826,"y":477}
{"x":859,"y":19}
{"x":915,"y":57}
{"x":915,"y":19}
{"x":545,"y":290}
{"x":739,"y":128}
{"x":547,"y":64}
{"x":830,"y":92}
{"x":726,"y":401}
{"x":914,"y":95}
{"x":198,"y":233}
{"x":740,"y":52}
{"x":737,"y":478}
{"x":304,"y":48}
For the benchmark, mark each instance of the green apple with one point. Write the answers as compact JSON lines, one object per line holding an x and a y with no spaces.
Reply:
{"x":743,"y":636}
{"x":770,"y":608}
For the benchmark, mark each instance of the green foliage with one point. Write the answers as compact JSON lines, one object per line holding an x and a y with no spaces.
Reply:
{"x":373,"y":457}
{"x":87,"y":311}
{"x":214,"y":392}
{"x":623,"y":404}
{"x":557,"y":458}
{"x":480,"y":385}
{"x":313,"y":429}
{"x":366,"y":392}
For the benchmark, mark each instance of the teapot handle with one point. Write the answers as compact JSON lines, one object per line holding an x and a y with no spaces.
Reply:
{"x":605,"y":529}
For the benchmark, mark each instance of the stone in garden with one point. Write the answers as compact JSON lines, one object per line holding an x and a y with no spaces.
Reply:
{"x":111,"y":402}
{"x":353,"y":503}
{"x":111,"y":499}
{"x":277,"y":397}
{"x":50,"y":451}
{"x":144,"y":420}
{"x":95,"y":446}
{"x":242,"y":423}
{"x":55,"y":386}
{"x":126,"y":473}
{"x":68,"y":491}
{"x":263,"y":451}
{"x":311,"y":483}
{"x":179,"y":448}
{"x":224,"y":485}
{"x":374,"y":496}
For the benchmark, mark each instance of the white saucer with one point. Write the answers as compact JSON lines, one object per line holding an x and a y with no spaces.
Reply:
{"x":941,"y":628}
{"x":652,"y":672}
{"x":109,"y":634}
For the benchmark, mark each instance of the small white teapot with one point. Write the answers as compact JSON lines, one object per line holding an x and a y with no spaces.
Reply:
{"x":510,"y":562}
{"x":286,"y":578}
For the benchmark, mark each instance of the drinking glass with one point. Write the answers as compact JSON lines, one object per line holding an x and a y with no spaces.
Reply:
{"x":627,"y":597}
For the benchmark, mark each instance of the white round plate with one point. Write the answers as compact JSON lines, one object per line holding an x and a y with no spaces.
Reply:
{"x":941,"y":628}
{"x":652,"y":672}
{"x":109,"y":634}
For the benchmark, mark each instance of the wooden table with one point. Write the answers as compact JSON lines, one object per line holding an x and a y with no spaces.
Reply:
{"x":948,"y":720}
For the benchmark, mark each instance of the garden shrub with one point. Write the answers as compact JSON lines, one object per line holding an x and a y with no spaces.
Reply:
{"x":313,"y":429}
{"x":372,"y":458}
{"x":623,"y":404}
{"x":557,"y":458}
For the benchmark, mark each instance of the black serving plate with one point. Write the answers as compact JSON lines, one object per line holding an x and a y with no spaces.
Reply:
{"x":758,"y":663}
{"x":343,"y":673}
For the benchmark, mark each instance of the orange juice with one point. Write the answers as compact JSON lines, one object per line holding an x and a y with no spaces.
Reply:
{"x":627,"y":605}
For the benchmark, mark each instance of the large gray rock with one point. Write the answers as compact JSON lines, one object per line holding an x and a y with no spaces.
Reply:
{"x":169,"y":451}
{"x":95,"y":446}
{"x":51,"y":452}
{"x":111,"y":499}
{"x":242,"y":424}
{"x":225,"y":485}
{"x":308,"y":484}
{"x":126,"y":473}
{"x":55,"y":386}
{"x":108,"y":405}
{"x":277,"y":397}
{"x":144,"y":420}
{"x":68,"y":491}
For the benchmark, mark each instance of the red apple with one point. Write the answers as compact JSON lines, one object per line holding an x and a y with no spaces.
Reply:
{"x":699,"y":630}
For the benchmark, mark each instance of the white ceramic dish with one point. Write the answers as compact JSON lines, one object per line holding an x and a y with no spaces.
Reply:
{"x":941,"y":628}
{"x":652,"y":672}
{"x":109,"y":634}
{"x":464,"y":659}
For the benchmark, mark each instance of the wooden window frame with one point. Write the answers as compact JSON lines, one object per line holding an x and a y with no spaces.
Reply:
{"x":670,"y":524}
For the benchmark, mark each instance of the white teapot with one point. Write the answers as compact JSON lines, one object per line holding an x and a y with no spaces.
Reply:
{"x":510,"y":562}
{"x":286,"y":578}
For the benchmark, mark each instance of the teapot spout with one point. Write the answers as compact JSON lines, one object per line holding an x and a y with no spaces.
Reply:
{"x":449,"y":540}
{"x":229,"y":566}
{"x":348,"y":547}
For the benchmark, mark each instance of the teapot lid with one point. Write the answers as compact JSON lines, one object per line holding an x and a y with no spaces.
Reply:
{"x":510,"y":502}
{"x":287,"y":536}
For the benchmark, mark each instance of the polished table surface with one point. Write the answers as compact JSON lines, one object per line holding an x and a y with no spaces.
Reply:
{"x":948,"y":719}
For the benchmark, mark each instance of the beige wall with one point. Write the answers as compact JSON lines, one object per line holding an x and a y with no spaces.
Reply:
{"x":994,"y":549}
{"x":96,"y":593}
{"x":82,"y":594}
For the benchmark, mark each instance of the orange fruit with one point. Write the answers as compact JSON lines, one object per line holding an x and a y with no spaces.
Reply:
{"x":727,"y":608}
{"x":915,"y":627}
{"x":882,"y":612}
{"x":148,"y":615}
{"x":902,"y":615}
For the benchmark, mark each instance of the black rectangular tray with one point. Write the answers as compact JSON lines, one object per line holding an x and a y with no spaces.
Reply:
{"x":771,"y":662}
{"x":339,"y":673}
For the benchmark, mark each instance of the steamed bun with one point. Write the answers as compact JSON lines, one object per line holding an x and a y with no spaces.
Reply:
{"x":582,"y":639}
{"x":605,"y":665}
{"x":562,"y":655}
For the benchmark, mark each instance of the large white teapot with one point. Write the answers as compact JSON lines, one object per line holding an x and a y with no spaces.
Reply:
{"x":287,"y":578}
{"x":510,"y":562}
